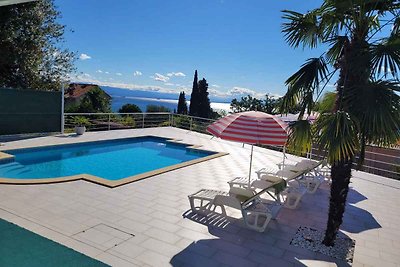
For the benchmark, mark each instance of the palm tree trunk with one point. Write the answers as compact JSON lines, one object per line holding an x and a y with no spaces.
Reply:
{"x":341,"y":174}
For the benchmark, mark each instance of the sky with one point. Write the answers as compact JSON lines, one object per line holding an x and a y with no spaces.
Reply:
{"x":237,"y":45}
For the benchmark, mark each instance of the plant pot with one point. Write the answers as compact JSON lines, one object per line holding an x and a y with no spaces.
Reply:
{"x":79,"y":130}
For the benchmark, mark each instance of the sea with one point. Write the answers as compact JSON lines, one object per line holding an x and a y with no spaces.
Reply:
{"x":143,"y":98}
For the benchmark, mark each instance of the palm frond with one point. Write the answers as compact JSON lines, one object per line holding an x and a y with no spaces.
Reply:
{"x":374,"y":22}
{"x":354,"y":6}
{"x":290,"y":100}
{"x":302,"y":85}
{"x":337,"y":45}
{"x":342,"y":7}
{"x":338,"y":136}
{"x":379,"y":6}
{"x":386,"y":56}
{"x":310,"y":74}
{"x":331,"y":21}
{"x":377,"y":107}
{"x":300,"y":137}
{"x":301,"y":28}
{"x":327,"y":103}
{"x":396,"y":27}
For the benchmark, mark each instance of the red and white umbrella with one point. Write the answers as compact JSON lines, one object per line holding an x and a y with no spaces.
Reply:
{"x":251,"y":127}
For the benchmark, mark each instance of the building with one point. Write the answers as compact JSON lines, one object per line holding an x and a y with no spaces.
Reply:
{"x":77,"y":91}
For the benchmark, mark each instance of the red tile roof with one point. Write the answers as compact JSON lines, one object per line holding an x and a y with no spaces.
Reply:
{"x":76,"y":90}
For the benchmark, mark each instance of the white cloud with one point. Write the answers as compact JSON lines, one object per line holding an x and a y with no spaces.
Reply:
{"x":84,"y":57}
{"x":118,"y":74}
{"x":169,"y":84}
{"x":215,"y":85}
{"x":176,"y":74}
{"x":237,"y":92}
{"x":86,"y":79}
{"x":99,"y":71}
{"x":137,"y":73}
{"x":241,"y":91}
{"x":215,"y":92}
{"x":106,"y":72}
{"x":159,"y":77}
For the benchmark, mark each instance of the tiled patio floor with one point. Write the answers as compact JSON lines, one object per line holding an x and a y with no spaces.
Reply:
{"x":142,"y":223}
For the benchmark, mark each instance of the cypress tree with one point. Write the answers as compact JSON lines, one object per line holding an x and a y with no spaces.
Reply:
{"x":182,"y":106}
{"x":194,"y":97}
{"x":204,"y":109}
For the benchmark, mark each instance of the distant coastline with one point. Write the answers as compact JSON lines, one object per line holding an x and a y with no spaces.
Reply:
{"x":143,"y":102}
{"x":142,"y":99}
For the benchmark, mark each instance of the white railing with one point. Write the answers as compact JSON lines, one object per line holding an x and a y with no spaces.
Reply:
{"x":115,"y":121}
{"x":387,"y":165}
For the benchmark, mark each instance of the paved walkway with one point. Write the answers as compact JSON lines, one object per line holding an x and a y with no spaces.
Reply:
{"x":142,"y":223}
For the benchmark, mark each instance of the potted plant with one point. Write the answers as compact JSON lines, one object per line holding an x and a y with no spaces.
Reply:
{"x":80,"y":125}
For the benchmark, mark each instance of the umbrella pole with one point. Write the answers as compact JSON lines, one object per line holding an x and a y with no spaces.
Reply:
{"x":251,"y":159}
{"x":284,"y":157}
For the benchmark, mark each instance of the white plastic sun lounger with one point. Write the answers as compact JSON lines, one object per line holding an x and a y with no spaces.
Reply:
{"x":289,"y":197}
{"x":313,"y":174}
{"x":256,"y":213}
{"x":312,"y":177}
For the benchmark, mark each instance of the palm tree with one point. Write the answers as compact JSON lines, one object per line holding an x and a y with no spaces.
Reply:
{"x":363,"y":41}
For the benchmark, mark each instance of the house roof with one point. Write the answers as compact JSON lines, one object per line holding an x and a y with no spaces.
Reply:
{"x":77,"y":90}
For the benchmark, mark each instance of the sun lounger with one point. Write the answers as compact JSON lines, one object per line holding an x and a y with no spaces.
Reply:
{"x":288,"y":193}
{"x":256,"y":213}
{"x":325,"y":170}
{"x":294,"y":190}
{"x":312,"y":176}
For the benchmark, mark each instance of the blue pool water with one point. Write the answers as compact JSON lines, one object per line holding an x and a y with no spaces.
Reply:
{"x":111,"y":160}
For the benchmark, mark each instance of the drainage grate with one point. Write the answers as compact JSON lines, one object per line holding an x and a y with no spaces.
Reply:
{"x":103,"y":236}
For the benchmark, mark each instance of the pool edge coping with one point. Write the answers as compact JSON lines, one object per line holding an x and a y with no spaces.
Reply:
{"x":110,"y":183}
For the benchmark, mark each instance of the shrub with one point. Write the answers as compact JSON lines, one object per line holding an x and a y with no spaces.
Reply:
{"x":156,"y":108}
{"x":128,"y":121}
{"x":81,"y":121}
{"x":130,"y":108}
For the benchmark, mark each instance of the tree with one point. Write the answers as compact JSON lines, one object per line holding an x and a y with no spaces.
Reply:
{"x":327,"y":103}
{"x":182,"y":106}
{"x":95,"y":101}
{"x":366,"y":107}
{"x":31,"y":55}
{"x":249,"y":103}
{"x":204,"y":108}
{"x":296,"y":108}
{"x":156,"y":108}
{"x":199,"y":101}
{"x":130,"y":108}
{"x":193,"y":107}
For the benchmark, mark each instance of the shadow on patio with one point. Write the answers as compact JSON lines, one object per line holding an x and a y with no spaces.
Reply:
{"x":238,"y":246}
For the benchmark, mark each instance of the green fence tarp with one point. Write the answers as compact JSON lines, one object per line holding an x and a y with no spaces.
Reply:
{"x":29,"y":111}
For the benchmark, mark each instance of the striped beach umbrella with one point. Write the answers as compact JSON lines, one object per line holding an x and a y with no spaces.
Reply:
{"x":251,"y":127}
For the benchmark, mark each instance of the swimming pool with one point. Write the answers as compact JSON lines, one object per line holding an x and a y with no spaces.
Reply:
{"x":111,"y":160}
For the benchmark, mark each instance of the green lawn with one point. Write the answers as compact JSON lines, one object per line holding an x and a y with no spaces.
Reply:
{"x":20,"y":247}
